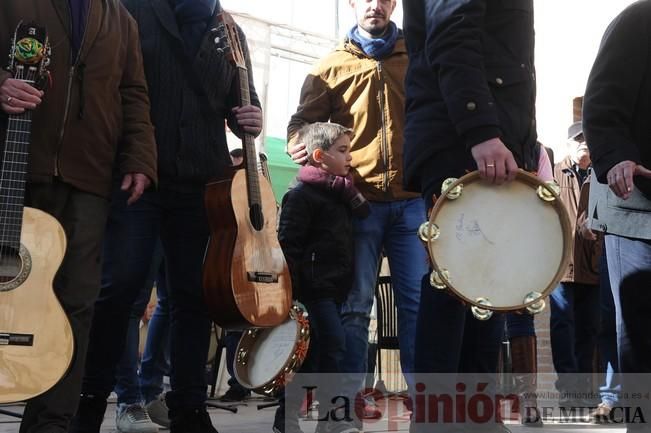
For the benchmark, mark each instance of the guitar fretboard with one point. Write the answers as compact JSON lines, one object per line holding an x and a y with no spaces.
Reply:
{"x":248,"y":143}
{"x":12,"y":178}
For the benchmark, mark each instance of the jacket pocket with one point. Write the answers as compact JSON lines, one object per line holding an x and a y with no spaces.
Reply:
{"x":499,"y":77}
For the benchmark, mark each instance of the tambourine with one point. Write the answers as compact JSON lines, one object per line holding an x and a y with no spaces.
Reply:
{"x":267,"y":358}
{"x":498,"y":247}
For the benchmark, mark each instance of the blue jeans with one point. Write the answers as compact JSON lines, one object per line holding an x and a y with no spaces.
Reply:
{"x":133,"y":386}
{"x":573,"y":327}
{"x":629,"y":266}
{"x":179,"y":220}
{"x":156,"y":357}
{"x":610,"y":390}
{"x":325,"y":355}
{"x":391,"y":227}
{"x":231,"y":340}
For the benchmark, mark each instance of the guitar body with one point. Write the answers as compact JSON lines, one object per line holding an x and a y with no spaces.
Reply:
{"x":245,"y":276}
{"x":40,"y":341}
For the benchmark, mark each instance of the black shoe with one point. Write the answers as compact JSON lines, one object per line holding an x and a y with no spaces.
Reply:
{"x":234,"y":394}
{"x":89,"y":416}
{"x":284,"y":425}
{"x":530,"y":416}
{"x":191,"y":421}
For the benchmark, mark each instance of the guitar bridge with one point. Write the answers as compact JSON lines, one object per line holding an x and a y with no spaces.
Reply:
{"x":262,"y":277}
{"x":7,"y":339}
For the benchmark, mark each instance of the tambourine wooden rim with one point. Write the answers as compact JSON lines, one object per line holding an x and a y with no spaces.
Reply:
{"x":539,"y":187}
{"x":252,"y":337}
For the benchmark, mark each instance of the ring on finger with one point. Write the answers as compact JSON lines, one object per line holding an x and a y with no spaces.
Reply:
{"x":490,"y":165}
{"x":9,"y":99}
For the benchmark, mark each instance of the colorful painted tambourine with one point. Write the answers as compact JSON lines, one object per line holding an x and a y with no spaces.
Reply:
{"x":268,"y":358}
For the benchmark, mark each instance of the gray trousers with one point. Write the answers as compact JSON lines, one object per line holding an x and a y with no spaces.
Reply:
{"x":77,"y":283}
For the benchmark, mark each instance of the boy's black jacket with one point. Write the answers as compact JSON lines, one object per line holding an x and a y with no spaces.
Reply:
{"x":316,"y":235}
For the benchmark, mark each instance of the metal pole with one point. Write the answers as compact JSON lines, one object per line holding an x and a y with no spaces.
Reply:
{"x":336,"y":19}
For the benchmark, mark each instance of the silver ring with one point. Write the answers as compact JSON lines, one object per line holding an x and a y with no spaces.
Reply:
{"x":490,"y":165}
{"x":9,"y":99}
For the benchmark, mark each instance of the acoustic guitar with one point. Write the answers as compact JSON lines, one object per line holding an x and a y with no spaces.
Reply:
{"x":245,"y":276}
{"x":36,"y":343}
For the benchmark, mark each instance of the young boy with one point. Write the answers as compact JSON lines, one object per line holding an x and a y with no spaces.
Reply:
{"x":315,"y":234}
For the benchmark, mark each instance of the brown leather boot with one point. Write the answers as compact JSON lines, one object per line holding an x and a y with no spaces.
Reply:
{"x":525,"y":366}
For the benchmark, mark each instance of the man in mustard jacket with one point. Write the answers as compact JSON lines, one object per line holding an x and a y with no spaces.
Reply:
{"x":361,"y":85}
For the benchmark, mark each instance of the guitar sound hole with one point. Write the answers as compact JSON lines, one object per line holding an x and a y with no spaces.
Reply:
{"x":10,"y":264}
{"x":257,"y":218}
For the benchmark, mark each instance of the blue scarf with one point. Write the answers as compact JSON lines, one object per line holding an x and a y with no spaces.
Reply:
{"x":376,"y":48}
{"x":192,"y":17}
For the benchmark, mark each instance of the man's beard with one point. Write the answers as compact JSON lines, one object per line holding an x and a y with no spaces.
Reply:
{"x":375,"y":31}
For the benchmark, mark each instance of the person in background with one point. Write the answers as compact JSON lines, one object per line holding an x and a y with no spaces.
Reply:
{"x":574,"y":304}
{"x":616,"y":109}
{"x":193,"y":88}
{"x":139,"y":382}
{"x":90,"y":129}
{"x":361,"y":86}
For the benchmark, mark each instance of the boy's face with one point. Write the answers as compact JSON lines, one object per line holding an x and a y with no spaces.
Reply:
{"x":336,"y":160}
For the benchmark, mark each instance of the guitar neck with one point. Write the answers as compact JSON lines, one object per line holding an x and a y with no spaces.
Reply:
{"x":248,"y":144}
{"x":12,"y":178}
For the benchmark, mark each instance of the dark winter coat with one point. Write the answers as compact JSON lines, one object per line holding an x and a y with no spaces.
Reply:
{"x":316,"y":235}
{"x":470,"y":78}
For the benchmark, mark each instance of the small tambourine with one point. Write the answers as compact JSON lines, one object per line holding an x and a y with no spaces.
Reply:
{"x":267,"y":358}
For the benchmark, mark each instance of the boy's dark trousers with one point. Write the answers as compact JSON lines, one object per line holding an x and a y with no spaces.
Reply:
{"x":323,"y":361}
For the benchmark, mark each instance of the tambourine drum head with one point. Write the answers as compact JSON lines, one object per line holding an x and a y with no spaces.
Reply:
{"x":268,"y":355}
{"x":500,"y":242}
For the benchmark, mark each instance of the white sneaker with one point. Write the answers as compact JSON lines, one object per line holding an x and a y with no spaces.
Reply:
{"x":158,"y":411}
{"x":133,"y":418}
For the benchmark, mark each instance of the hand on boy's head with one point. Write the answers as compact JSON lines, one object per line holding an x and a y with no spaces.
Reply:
{"x":298,"y":153}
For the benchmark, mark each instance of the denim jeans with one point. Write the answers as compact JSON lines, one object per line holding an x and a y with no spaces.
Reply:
{"x":391,"y":227}
{"x":178,"y":219}
{"x":133,"y":386}
{"x":629,"y":266}
{"x":325,"y":355}
{"x":573,"y":327}
{"x":231,"y":340}
{"x":610,"y":390}
{"x":155,"y":361}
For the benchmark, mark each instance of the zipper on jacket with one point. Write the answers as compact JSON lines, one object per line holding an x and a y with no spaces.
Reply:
{"x":313,"y":260}
{"x":71,"y":76}
{"x":384,"y":145}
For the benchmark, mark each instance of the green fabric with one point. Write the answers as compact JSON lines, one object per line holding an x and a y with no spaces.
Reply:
{"x":281,"y":168}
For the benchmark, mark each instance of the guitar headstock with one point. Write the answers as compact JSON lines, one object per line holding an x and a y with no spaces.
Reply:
{"x":228,"y":39}
{"x":29,"y":55}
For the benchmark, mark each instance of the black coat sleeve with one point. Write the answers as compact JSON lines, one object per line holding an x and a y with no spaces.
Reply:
{"x":613,"y":89}
{"x":293,"y":233}
{"x":454,"y":34}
